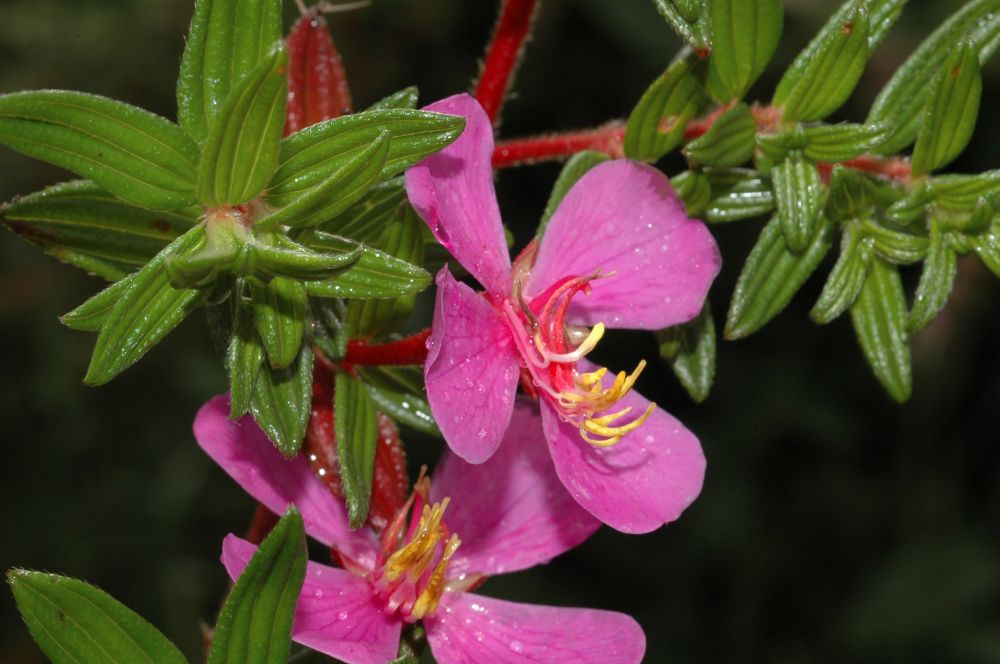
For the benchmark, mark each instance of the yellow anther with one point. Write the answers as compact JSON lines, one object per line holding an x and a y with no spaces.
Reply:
{"x":591,"y":341}
{"x":593,"y":378}
{"x":427,"y":603}
{"x":612,"y":434}
{"x":418,"y":553}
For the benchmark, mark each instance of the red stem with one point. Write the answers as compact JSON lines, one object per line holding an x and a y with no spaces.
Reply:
{"x":503,"y":54}
{"x":411,"y":350}
{"x":607,"y":139}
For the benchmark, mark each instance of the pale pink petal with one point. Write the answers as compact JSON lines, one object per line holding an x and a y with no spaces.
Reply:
{"x":453,"y":191}
{"x":622,"y":219}
{"x":472,"y":629}
{"x":645,"y":480}
{"x":337,"y":614}
{"x":471,"y":370}
{"x":512,"y":511}
{"x":245,"y":453}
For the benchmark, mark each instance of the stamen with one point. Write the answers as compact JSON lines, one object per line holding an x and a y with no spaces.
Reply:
{"x":429,"y":598}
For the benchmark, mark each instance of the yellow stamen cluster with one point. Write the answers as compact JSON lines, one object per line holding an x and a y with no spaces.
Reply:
{"x":590,"y":398}
{"x":417,"y":555}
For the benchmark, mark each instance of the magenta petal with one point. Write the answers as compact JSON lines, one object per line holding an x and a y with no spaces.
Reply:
{"x":245,"y":453}
{"x":453,"y":191}
{"x":472,"y":629}
{"x":511,"y":512}
{"x":623,"y":219}
{"x":471,"y":370}
{"x":337,"y":613}
{"x":645,"y":480}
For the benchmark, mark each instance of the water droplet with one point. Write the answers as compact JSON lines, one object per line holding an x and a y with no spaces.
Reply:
{"x":517,"y":646}
{"x":482,"y":432}
{"x":479,"y":636}
{"x":318,"y":594}
{"x":343,"y":615}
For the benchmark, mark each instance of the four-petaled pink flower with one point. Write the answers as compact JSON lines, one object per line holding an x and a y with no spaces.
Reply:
{"x":622,"y":239}
{"x":505,"y":515}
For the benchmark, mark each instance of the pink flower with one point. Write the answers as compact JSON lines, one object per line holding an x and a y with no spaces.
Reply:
{"x":621,"y":238}
{"x":473,"y":521}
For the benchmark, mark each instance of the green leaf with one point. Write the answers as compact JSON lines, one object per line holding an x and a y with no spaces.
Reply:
{"x":825,"y":73}
{"x":895,"y":246}
{"x":241,"y":149}
{"x":90,"y":316}
{"x":83,"y":225}
{"x":244,"y":357}
{"x":901,"y":101}
{"x":798,"y":194}
{"x":841,"y":142}
{"x":738,"y":194}
{"x":145,"y":312}
{"x":694,"y":190}
{"x":987,"y":247}
{"x":688,"y":19}
{"x":690,"y":351}
{"x":281,"y":402}
{"x":75,"y":622}
{"x":405,"y":98}
{"x":376,"y":274}
{"x":936,"y":280}
{"x":139,"y":157}
{"x":962,"y":192}
{"x":575,"y":168}
{"x":728,"y":142}
{"x":950,"y":116}
{"x":746,"y":33}
{"x":255,"y":623}
{"x":329,"y":329}
{"x":879,"y":317}
{"x":392,"y":391}
{"x":365,"y":220}
{"x":372,"y":318}
{"x":280,"y":308}
{"x":309,"y":156}
{"x":846,"y":278}
{"x":771,"y":276}
{"x":850,"y":195}
{"x":656,"y":124}
{"x":228,"y":38}
{"x":279,"y":256}
{"x":339,"y":191}
{"x":356,"y":431}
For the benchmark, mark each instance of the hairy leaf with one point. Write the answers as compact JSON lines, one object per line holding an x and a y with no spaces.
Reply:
{"x":728,"y":142}
{"x":879,"y":317}
{"x":901,"y":101}
{"x":73,"y":621}
{"x":846,"y":278}
{"x":376,"y":274}
{"x":227,"y":39}
{"x":745,"y":35}
{"x":241,"y":149}
{"x":690,"y":351}
{"x":281,"y":402}
{"x":798,"y":195}
{"x":280,"y":308}
{"x":936,"y":280}
{"x":356,"y":429}
{"x":255,"y":623}
{"x":656,"y":124}
{"x":139,"y":157}
{"x":952,"y":108}
{"x":82,"y":224}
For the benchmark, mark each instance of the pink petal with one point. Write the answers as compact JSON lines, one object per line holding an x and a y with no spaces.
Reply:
{"x":453,"y":191}
{"x":645,"y":480}
{"x":245,"y":453}
{"x":472,"y":629}
{"x":471,"y":370}
{"x":512,"y":511}
{"x":337,"y":614}
{"x":622,"y":219}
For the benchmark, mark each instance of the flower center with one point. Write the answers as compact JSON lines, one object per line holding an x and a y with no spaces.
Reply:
{"x":409,"y":575}
{"x":550,"y":351}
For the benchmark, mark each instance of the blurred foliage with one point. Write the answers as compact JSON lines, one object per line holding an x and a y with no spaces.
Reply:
{"x":834,"y":525}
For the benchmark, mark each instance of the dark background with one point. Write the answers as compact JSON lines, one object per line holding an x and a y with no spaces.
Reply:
{"x":834,"y":524}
